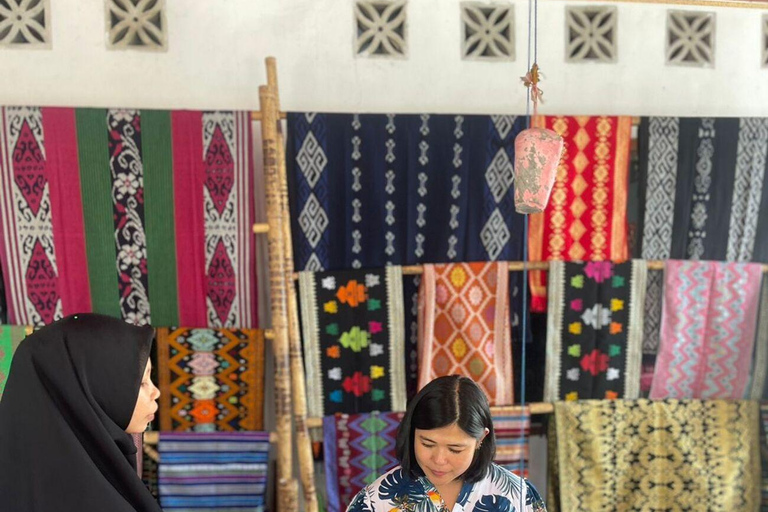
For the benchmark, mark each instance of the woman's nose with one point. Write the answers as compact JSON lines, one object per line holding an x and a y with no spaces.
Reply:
{"x":438,"y":456}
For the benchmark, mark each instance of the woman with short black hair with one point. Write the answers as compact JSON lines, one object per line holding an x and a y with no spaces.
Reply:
{"x":446,"y":446}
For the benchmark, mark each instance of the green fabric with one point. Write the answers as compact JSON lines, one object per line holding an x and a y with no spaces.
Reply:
{"x":157,"y":150}
{"x":10,"y":337}
{"x":96,"y":187}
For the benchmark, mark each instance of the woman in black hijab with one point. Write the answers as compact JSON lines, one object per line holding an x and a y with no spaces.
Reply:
{"x":76,"y":389}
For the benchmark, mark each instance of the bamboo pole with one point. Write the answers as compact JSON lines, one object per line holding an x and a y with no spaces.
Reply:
{"x":287,"y":486}
{"x":517,"y":266}
{"x":299,"y":390}
{"x":153,"y":437}
{"x":534,"y":408}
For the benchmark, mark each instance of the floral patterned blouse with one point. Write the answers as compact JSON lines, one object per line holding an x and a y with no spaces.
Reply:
{"x":499,"y":491}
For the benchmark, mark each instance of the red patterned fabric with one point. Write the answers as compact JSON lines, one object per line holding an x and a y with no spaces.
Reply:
{"x":464,"y":326}
{"x":586,"y":216}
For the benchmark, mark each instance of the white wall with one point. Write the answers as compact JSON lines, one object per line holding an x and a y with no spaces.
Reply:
{"x":217,"y":47}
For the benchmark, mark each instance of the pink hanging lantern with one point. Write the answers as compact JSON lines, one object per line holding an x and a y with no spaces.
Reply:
{"x":537,"y":155}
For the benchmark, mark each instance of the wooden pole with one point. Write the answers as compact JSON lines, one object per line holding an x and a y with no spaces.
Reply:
{"x":287,"y":486}
{"x":303,"y":441}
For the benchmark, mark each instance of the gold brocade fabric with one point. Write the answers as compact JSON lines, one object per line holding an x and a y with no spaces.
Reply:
{"x":670,"y":455}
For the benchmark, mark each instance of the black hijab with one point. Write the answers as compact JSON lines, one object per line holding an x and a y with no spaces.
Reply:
{"x":70,"y":395}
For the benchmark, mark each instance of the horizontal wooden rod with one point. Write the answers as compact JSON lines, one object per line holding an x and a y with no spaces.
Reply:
{"x":535,"y":408}
{"x":256,"y":115}
{"x":517,"y":266}
{"x":153,"y":436}
{"x":261,"y":228}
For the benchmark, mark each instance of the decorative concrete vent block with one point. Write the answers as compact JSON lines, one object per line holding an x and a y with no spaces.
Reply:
{"x":591,"y":33}
{"x":25,"y":23}
{"x":691,"y":38}
{"x":487,"y":31}
{"x":136,"y":25}
{"x":381,"y":28}
{"x":765,"y":40}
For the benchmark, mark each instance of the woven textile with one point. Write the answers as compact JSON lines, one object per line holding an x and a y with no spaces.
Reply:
{"x":759,"y":380}
{"x":705,"y":196}
{"x":154,"y":181}
{"x":222,"y":472}
{"x":708,"y":329}
{"x":764,"y":455}
{"x":10,"y":337}
{"x":665,"y":455}
{"x":586,"y":216}
{"x":512,"y":451}
{"x":596,"y":326}
{"x":353,"y":340}
{"x":210,"y":379}
{"x":369,"y":190}
{"x":464,"y":326}
{"x":359,"y":448}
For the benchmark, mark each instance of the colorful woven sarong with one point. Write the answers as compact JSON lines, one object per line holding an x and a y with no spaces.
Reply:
{"x":512,"y":451}
{"x":464,"y":326}
{"x":10,"y":337}
{"x":145,"y":215}
{"x":707,"y":329}
{"x":706,"y":196}
{"x":656,"y":455}
{"x":359,"y":448}
{"x":210,"y":379}
{"x":353,"y":340}
{"x":220,"y":472}
{"x":594,"y":343}
{"x":586,"y":216}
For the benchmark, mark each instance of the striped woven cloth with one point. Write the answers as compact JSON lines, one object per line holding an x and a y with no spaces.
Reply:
{"x":225,"y":471}
{"x":512,"y":450}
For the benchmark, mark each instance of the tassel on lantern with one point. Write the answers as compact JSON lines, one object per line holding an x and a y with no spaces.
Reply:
{"x":537,"y":155}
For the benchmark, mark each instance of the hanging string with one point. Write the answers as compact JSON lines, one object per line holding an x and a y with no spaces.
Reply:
{"x":533,"y":95}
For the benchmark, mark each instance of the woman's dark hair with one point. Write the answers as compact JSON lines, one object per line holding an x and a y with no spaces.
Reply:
{"x":443,"y":402}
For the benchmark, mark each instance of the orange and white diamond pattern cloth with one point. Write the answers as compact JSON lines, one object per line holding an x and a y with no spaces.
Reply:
{"x":464,"y":326}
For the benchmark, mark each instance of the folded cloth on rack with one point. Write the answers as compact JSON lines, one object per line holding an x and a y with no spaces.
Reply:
{"x":353,"y":340}
{"x":213,"y":472}
{"x":512,"y":450}
{"x":586,"y":218}
{"x":594,"y":340}
{"x":656,"y":455}
{"x":153,"y":182}
{"x":707,"y":330}
{"x":464,"y":326}
{"x":369,"y":190}
{"x":358,"y":448}
{"x":10,"y":337}
{"x":705,"y":184}
{"x":210,"y":379}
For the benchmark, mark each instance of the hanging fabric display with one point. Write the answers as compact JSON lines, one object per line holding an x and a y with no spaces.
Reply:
{"x":359,"y":448}
{"x":695,"y":167}
{"x":759,"y":380}
{"x":595,"y":340}
{"x":764,"y":455}
{"x":464,"y":326}
{"x":665,"y":455}
{"x":707,"y":329}
{"x":353,"y":333}
{"x":10,"y":337}
{"x":210,"y":379}
{"x":586,"y":216}
{"x":213,"y":472}
{"x":427,"y":207}
{"x":512,"y":450}
{"x":169,"y":207}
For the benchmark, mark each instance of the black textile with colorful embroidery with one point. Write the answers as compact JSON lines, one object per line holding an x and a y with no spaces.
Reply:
{"x":348,"y":318}
{"x":596,"y":341}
